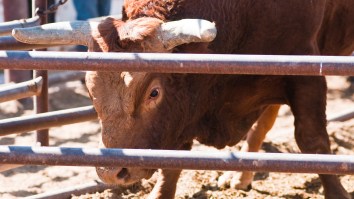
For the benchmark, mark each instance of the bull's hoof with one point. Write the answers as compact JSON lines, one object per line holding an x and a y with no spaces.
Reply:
{"x":237,"y":184}
{"x":236,"y":180}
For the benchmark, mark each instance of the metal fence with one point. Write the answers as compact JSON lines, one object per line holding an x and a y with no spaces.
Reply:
{"x":163,"y":63}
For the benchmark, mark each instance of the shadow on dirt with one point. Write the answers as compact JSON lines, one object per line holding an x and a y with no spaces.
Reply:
{"x":313,"y":186}
{"x":21,"y":194}
{"x":68,"y":98}
{"x":24,"y":169}
{"x":270,"y":148}
{"x":200,"y":195}
{"x":261,"y":176}
{"x":84,"y":138}
{"x":297,"y":196}
{"x":7,"y":141}
{"x":348,"y":92}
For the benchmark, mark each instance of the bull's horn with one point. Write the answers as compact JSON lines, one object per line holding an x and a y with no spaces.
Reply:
{"x":65,"y":33}
{"x":184,"y":31}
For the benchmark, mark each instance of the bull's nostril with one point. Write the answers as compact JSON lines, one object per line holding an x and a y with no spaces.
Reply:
{"x":123,"y":173}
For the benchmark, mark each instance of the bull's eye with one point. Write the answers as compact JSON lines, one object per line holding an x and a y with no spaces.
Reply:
{"x":154,"y":93}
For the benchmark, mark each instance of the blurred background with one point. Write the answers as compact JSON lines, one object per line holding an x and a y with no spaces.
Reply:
{"x":66,"y":12}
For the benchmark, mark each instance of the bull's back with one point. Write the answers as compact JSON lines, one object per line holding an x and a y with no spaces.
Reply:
{"x":336,"y":36}
{"x":258,"y":27}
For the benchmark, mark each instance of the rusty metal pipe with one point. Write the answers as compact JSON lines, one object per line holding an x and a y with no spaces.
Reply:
{"x":46,"y":120}
{"x":10,"y":43}
{"x":171,"y":159}
{"x":40,"y":102}
{"x":180,"y":63}
{"x":21,"y":90}
{"x":34,"y":87}
{"x":6,"y":27}
{"x":41,"y":105}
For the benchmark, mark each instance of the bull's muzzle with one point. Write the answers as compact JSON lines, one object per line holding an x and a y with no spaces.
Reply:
{"x":113,"y":175}
{"x":122,"y":176}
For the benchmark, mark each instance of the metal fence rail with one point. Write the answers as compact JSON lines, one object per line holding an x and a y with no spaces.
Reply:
{"x":204,"y":160}
{"x":46,"y":120}
{"x":6,"y":27}
{"x":21,"y":90}
{"x":180,"y":63}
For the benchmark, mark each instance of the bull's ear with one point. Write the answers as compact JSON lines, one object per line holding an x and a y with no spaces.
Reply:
{"x":185,"y":31}
{"x":64,"y":33}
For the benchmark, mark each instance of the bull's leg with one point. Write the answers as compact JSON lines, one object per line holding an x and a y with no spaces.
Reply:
{"x":307,"y":99}
{"x":253,"y":143}
{"x":165,"y":186}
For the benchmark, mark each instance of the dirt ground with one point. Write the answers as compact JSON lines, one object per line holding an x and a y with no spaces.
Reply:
{"x":30,"y":180}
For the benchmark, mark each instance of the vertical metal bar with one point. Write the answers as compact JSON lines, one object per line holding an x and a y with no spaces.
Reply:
{"x":41,"y":101}
{"x":14,"y":10}
{"x":51,"y":16}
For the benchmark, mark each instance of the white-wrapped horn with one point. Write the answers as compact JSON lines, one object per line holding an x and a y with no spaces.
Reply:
{"x":66,"y":33}
{"x":171,"y":34}
{"x":184,"y":31}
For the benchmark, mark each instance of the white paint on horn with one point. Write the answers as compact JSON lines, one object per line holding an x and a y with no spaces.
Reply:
{"x":66,"y":33}
{"x":184,"y":31}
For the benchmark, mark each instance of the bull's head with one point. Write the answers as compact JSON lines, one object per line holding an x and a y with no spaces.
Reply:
{"x":136,"y":109}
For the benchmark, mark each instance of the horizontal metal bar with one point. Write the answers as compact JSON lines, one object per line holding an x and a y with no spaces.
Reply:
{"x":21,"y":90}
{"x":91,"y":187}
{"x":179,"y":63}
{"x":6,"y":27}
{"x":342,"y":116}
{"x":10,"y":43}
{"x":46,"y":120}
{"x":34,"y":87}
{"x":169,"y":159}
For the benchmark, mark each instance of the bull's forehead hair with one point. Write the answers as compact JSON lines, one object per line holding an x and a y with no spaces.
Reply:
{"x":133,"y":86}
{"x":140,"y":79}
{"x":127,"y":78}
{"x":125,"y":84}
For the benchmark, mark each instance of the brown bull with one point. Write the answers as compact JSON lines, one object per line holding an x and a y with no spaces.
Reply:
{"x":168,"y":111}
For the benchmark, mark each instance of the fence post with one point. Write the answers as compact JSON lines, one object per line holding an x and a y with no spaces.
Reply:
{"x":41,"y":101}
